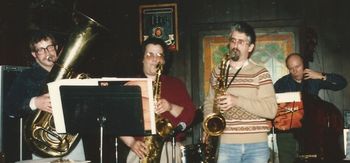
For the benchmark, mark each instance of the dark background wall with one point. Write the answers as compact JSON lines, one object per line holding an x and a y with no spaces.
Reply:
{"x":117,"y":57}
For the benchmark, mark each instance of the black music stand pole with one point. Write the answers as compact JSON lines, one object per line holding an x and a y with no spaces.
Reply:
{"x":101,"y":121}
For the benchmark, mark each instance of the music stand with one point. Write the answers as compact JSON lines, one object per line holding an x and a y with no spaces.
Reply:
{"x":109,"y":108}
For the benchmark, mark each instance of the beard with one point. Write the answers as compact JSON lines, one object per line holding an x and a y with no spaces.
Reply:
{"x":234,"y":54}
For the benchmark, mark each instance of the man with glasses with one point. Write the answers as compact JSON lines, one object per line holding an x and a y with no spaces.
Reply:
{"x":174,"y":104}
{"x":25,"y":94}
{"x":246,"y":105}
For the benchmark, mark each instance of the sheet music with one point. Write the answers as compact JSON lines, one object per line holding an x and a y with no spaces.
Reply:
{"x":57,"y":111}
{"x":288,"y":97}
{"x":290,"y":111}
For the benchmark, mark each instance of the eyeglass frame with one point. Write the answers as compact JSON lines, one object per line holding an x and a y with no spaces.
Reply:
{"x":239,"y":42}
{"x":46,"y":48}
{"x":149,"y":54}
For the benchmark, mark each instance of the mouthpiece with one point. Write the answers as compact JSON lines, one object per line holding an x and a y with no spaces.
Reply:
{"x":159,"y":66}
{"x":233,"y":54}
{"x":50,"y":58}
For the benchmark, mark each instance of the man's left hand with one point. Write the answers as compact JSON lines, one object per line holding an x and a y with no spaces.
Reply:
{"x":310,"y":74}
{"x":226,"y":101}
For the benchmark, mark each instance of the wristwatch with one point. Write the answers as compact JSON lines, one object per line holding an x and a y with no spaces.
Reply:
{"x":324,"y":77}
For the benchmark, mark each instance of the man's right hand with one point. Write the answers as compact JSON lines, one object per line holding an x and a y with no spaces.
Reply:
{"x":139,"y":148}
{"x":43,"y":103}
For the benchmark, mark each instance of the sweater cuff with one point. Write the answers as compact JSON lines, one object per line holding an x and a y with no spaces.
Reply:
{"x":32,"y":104}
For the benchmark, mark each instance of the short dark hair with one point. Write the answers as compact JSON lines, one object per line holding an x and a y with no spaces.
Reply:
{"x":167,"y":57}
{"x":38,"y":36}
{"x":244,"y":27}
{"x":154,"y":41}
{"x":294,"y":54}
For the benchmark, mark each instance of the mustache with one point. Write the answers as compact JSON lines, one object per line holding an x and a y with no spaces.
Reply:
{"x":234,"y":54}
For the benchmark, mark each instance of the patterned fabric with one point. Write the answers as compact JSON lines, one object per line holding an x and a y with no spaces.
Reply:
{"x":239,"y":120}
{"x":256,"y":103}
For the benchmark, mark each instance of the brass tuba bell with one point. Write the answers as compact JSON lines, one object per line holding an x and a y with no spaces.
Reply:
{"x":40,"y":132}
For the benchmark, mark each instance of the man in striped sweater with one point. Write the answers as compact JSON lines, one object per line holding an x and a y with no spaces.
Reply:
{"x":247,"y":104}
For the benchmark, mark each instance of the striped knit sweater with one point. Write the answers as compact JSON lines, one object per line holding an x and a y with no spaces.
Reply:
{"x":246,"y":122}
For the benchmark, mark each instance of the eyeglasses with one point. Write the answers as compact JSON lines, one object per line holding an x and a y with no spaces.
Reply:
{"x":239,"y":42}
{"x":49,"y":48}
{"x":151,"y":54}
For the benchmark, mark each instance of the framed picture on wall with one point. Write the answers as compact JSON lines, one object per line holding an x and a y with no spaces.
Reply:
{"x":159,"y":20}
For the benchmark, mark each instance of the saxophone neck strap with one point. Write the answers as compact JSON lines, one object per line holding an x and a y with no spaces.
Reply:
{"x":234,"y":76}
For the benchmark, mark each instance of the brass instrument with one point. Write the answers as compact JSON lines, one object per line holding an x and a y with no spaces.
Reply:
{"x":40,"y":132}
{"x":214,"y":124}
{"x":155,"y":143}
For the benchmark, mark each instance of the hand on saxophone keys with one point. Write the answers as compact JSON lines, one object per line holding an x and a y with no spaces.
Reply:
{"x":139,"y":148}
{"x":226,"y":102}
{"x":163,"y":105}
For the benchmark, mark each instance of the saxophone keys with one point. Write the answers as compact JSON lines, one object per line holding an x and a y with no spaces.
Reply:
{"x":222,"y":111}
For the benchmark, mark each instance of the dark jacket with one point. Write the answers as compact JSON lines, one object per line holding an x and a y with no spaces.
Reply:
{"x":333,"y":82}
{"x":28,"y":84}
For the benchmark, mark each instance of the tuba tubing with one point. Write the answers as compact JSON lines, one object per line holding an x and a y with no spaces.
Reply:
{"x":40,"y":133}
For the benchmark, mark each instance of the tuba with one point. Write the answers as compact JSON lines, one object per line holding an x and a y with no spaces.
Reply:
{"x":214,"y":124}
{"x":155,"y":143}
{"x":40,"y":132}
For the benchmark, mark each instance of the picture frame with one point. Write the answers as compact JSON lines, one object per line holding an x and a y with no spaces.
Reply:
{"x":159,"y":20}
{"x":346,"y":115}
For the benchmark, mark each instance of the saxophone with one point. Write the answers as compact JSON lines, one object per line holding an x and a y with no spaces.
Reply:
{"x":214,"y":124}
{"x":40,"y":132}
{"x":155,"y":143}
